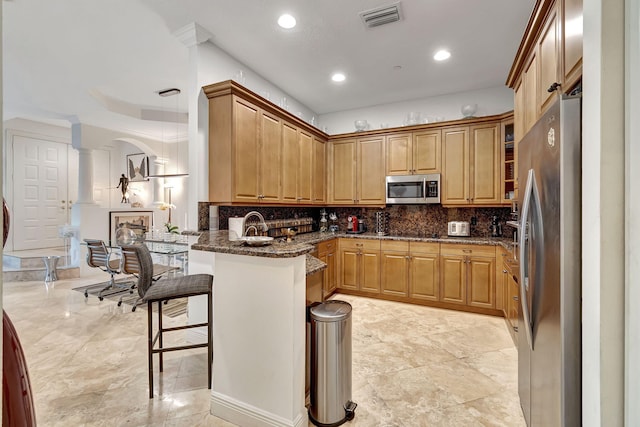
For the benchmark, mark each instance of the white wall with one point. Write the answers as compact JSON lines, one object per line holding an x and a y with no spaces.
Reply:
{"x":603,"y":214}
{"x":490,"y":101}
{"x":632,"y":196}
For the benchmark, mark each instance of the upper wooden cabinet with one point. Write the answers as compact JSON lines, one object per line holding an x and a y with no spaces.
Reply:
{"x":549,"y":59}
{"x":356,"y":168}
{"x":413,"y":153}
{"x":471,"y":165}
{"x":548,"y":54}
{"x":259,"y":153}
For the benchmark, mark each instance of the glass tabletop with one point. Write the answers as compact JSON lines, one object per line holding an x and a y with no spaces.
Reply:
{"x":167,"y":248}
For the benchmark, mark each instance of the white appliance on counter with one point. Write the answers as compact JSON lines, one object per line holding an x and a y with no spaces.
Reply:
{"x":549,"y":326}
{"x":458,"y":228}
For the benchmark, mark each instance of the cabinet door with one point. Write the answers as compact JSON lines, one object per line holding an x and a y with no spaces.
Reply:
{"x":319,"y":172}
{"x":399,"y":154}
{"x":349,"y":263}
{"x":548,"y":51}
{"x":485,"y":164}
{"x":572,"y":41}
{"x":331,"y":272}
{"x":426,"y":152}
{"x":455,"y":166}
{"x":453,"y":279}
{"x":529,"y":80}
{"x":518,"y":112}
{"x":305,"y":167}
{"x":371,"y":178}
{"x":343,"y":172}
{"x":289,"y":163}
{"x":395,"y":269}
{"x":270,"y":154}
{"x":370,"y":271}
{"x":424,"y":276}
{"x":482,"y":284}
{"x":245,"y":159}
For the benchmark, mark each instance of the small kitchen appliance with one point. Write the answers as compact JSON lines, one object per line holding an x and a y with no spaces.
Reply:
{"x":495,"y":227}
{"x":382,"y":223}
{"x":458,"y":228}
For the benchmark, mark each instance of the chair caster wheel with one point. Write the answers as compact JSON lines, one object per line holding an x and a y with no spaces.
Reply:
{"x":86,"y":294}
{"x":119,"y":303}
{"x":134,"y":308}
{"x":101,"y":298}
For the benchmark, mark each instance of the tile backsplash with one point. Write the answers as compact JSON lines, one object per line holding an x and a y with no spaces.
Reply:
{"x":404,"y":220}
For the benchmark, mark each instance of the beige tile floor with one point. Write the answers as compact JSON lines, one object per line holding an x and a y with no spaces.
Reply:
{"x":412,"y":365}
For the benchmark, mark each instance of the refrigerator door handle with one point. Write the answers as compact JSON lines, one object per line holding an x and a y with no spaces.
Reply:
{"x":524,"y":258}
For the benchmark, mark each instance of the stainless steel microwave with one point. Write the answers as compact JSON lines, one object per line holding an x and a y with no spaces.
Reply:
{"x":413,"y":189}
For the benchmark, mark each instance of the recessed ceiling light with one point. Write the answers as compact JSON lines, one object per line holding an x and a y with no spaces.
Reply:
{"x":287,"y":21}
{"x":441,"y":55}
{"x":338,"y":77}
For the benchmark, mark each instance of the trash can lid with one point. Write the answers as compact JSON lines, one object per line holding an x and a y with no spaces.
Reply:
{"x":331,"y":311}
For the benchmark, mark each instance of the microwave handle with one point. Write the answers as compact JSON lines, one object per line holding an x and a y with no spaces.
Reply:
{"x":424,"y":187}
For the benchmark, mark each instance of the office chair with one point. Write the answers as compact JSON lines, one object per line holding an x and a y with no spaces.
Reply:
{"x":98,"y":256}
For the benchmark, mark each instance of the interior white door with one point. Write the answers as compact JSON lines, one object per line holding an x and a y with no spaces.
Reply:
{"x":40,"y":201}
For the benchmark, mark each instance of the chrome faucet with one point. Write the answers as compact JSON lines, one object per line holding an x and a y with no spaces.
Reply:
{"x":262,"y":224}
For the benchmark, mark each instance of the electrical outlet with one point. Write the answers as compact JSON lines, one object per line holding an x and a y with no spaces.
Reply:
{"x":474,"y":220}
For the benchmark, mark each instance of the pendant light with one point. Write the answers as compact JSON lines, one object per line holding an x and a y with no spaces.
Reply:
{"x":165,"y":93}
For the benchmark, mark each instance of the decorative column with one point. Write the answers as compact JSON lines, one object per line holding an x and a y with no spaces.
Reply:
{"x":85,"y":176}
{"x":155,"y":165}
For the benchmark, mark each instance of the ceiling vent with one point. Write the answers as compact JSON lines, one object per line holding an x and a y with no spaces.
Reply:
{"x":381,"y":15}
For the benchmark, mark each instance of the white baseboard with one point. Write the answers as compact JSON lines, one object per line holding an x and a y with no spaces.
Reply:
{"x":245,"y":415}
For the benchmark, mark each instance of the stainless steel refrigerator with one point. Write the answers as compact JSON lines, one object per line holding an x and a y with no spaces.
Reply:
{"x":549,"y":327}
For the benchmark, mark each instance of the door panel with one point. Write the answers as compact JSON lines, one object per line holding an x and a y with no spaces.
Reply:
{"x":343,"y":168}
{"x":453,"y":279}
{"x":424,"y":277}
{"x":270,"y":152}
{"x":482,"y":282}
{"x":349,"y":269}
{"x":370,"y":272}
{"x":40,"y":202}
{"x":455,"y":166}
{"x":246,"y":151}
{"x":305,"y":174}
{"x":426,"y":152}
{"x":289,"y":163}
{"x":395,"y":273}
{"x":485,"y":171}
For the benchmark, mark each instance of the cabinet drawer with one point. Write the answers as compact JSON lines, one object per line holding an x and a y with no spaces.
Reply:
{"x":425,"y":247}
{"x":394,"y":245}
{"x":461,"y":249}
{"x":370,"y":245}
{"x":326,"y":246}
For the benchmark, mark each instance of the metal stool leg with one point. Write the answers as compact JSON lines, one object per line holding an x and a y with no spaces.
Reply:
{"x":150,"y":347}
{"x":160,"y":364}
{"x":210,"y":336}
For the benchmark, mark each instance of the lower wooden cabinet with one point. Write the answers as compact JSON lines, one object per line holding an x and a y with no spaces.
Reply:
{"x":424,"y":271}
{"x":359,"y":265}
{"x":327,"y":254}
{"x":511,"y":296}
{"x":410,"y":269}
{"x":443,"y":275}
{"x":467,"y":275}
{"x":395,"y":268}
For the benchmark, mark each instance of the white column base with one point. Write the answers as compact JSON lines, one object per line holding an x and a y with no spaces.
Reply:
{"x":228,"y":408}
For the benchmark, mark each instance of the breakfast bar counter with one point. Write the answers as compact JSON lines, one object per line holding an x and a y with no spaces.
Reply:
{"x":259,"y":323}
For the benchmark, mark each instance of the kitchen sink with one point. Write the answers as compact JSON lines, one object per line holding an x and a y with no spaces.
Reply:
{"x":258,"y":240}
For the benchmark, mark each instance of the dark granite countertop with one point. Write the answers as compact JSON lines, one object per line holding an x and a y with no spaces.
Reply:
{"x":317,"y":237}
{"x":218,"y":241}
{"x":314,"y":265}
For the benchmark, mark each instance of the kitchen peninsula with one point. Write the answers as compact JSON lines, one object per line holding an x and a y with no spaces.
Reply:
{"x":258,"y":328}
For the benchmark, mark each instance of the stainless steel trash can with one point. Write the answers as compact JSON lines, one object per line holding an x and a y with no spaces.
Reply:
{"x":330,"y":395}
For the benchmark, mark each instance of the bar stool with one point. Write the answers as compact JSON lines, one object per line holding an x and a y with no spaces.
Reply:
{"x":137,"y":259}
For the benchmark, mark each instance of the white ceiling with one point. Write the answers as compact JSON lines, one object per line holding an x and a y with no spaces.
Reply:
{"x":69,"y":60}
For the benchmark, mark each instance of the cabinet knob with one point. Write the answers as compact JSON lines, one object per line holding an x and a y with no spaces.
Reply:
{"x":553,"y":87}
{"x":407,"y":257}
{"x":504,"y":271}
{"x":515,"y":328}
{"x":515,"y":298}
{"x":467,"y":251}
